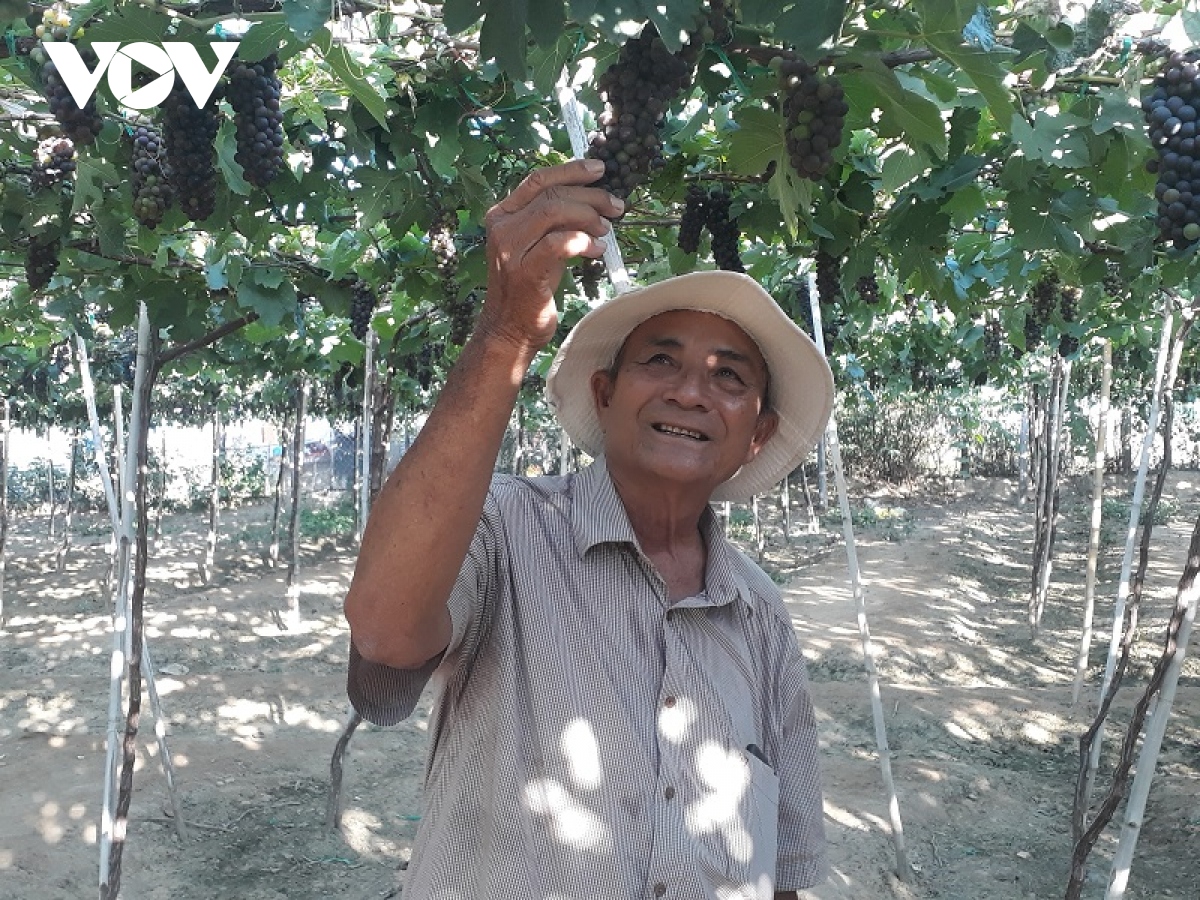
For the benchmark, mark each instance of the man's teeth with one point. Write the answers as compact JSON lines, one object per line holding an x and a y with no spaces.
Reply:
{"x":683,"y":432}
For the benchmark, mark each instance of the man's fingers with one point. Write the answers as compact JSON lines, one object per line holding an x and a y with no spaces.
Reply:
{"x":577,"y":173}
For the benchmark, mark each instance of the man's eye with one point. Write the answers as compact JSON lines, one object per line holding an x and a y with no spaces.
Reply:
{"x":659,"y":358}
{"x":729,"y":373}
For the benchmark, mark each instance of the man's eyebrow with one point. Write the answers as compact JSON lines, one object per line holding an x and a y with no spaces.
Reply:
{"x":734,"y":356}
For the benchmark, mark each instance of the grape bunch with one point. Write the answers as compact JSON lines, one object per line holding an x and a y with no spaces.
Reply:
{"x":725,"y":232}
{"x":804,"y":306}
{"x":993,"y":340}
{"x":691,"y":223}
{"x":1113,"y":285}
{"x":419,"y":366}
{"x":152,"y":194}
{"x":253,"y":90}
{"x":80,"y":125}
{"x":589,"y":273}
{"x":1045,"y":297}
{"x":814,"y":107}
{"x":868,"y":289}
{"x":362,"y":307}
{"x":910,"y":303}
{"x":445,"y":253}
{"x":1033,"y":332}
{"x":1171,"y":110}
{"x":461,"y":314}
{"x":41,"y":262}
{"x":188,"y":133}
{"x":829,"y":277}
{"x":637,"y":90}
{"x":53,"y":161}
{"x":1068,"y":308}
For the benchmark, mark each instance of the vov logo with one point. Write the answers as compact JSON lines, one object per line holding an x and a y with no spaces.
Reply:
{"x":167,"y":59}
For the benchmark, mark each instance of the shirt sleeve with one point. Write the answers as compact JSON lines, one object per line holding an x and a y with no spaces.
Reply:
{"x":801,"y":859}
{"x":386,"y":696}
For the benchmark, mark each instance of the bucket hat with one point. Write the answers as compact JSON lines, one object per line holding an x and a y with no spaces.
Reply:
{"x":801,"y":384}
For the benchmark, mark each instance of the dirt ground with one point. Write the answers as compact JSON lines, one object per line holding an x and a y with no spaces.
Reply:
{"x":982,"y":732}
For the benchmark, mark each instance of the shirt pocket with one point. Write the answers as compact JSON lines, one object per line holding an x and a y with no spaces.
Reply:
{"x":740,"y":863}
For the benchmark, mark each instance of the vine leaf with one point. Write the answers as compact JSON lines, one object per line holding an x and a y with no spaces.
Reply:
{"x":502,"y":36}
{"x":353,"y":76}
{"x":269,"y":293}
{"x":226,"y":145}
{"x":901,"y":111}
{"x":984,"y":71}
{"x":130,"y":23}
{"x":807,"y":24}
{"x":459,"y":15}
{"x":305,"y":17}
{"x":263,"y":39}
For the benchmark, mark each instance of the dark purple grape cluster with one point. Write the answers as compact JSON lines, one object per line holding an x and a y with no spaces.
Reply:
{"x":253,"y":90}
{"x":691,"y":222}
{"x":362,"y":307}
{"x":1033,"y":331}
{"x":1171,"y":109}
{"x":637,"y":89}
{"x":419,"y":366}
{"x":829,"y":277}
{"x":814,"y":109}
{"x":150,"y":182}
{"x":1114,"y":285}
{"x":1046,"y":292}
{"x":460,"y":311}
{"x":868,"y":289}
{"x":993,"y":340}
{"x":80,"y":125}
{"x":803,"y":305}
{"x":1068,"y":308}
{"x":188,"y":133}
{"x":726,"y":236}
{"x":910,"y":303}
{"x":589,"y":273}
{"x":53,"y":162}
{"x":41,"y":262}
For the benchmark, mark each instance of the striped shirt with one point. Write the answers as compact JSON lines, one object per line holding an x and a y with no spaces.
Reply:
{"x":593,"y":741}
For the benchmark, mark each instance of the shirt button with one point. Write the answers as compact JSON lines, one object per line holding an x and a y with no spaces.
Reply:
{"x":669,"y":702}
{"x":660,"y":889}
{"x":669,"y":792}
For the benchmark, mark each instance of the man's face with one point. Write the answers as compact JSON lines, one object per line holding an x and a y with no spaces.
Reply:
{"x":686,"y":403}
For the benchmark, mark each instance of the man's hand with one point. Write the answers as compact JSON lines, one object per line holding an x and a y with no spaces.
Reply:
{"x":551,"y":217}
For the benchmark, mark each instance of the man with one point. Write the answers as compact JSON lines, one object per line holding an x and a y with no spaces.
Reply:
{"x":623,"y":710}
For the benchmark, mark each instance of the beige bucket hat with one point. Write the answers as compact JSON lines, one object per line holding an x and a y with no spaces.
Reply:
{"x":801,"y":391}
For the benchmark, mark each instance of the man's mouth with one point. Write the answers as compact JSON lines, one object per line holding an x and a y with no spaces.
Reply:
{"x":681,"y":432}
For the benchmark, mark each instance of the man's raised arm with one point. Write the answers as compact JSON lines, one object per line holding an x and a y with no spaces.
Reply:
{"x":422,"y":522}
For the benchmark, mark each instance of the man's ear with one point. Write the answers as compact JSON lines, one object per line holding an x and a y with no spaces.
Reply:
{"x":602,"y":388}
{"x":768,"y":422}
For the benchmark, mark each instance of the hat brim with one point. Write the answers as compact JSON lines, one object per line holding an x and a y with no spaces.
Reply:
{"x":801,"y":381}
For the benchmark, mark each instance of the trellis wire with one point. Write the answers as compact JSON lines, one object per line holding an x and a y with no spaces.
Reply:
{"x":903,"y":868}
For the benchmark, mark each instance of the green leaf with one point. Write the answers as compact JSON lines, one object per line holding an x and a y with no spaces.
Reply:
{"x":502,"y":36}
{"x":342,"y":254}
{"x":263,"y":39}
{"x":128,"y":23}
{"x":902,"y":112}
{"x":226,"y":145}
{"x":110,"y":230}
{"x":757,"y":141}
{"x":984,"y":71}
{"x":353,"y":75}
{"x":381,"y":194}
{"x":305,"y":17}
{"x":1052,"y":139}
{"x":269,"y":294}
{"x":93,"y":176}
{"x":1033,"y":222}
{"x":546,"y":21}
{"x":945,"y":16}
{"x":807,"y":24}
{"x":901,"y":165}
{"x":546,"y":63}
{"x":42,"y":209}
{"x":459,"y":15}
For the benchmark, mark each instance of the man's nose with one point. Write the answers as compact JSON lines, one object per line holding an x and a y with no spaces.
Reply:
{"x":689,"y":387}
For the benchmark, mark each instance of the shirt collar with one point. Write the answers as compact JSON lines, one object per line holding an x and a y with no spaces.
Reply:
{"x":598,"y":517}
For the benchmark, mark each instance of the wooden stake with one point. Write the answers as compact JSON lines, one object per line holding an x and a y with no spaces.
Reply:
{"x":65,"y":546}
{"x":365,"y":430}
{"x":273,"y":554}
{"x":51,"y":496}
{"x":293,"y":584}
{"x":1089,"y":591}
{"x":4,"y":453}
{"x":903,"y":867}
{"x":214,"y":501}
{"x":1135,"y":514}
